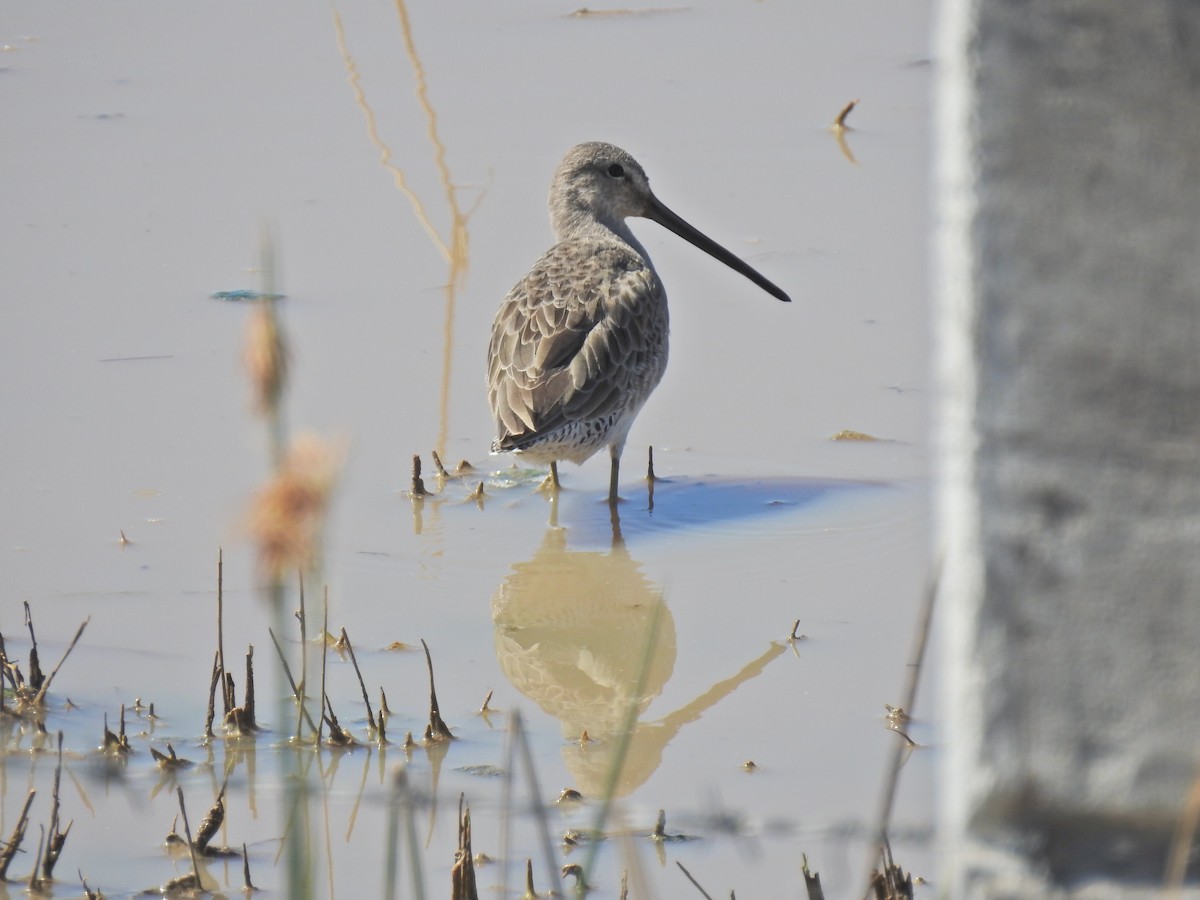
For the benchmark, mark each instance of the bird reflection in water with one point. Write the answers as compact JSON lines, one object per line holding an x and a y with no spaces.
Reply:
{"x":571,"y":632}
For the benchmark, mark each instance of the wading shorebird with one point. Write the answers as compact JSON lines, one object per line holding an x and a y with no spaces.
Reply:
{"x":580,"y":342}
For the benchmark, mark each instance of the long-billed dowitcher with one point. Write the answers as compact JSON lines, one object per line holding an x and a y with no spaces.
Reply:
{"x":580,"y":342}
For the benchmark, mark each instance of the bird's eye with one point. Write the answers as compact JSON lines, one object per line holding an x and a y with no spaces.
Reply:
{"x":616,"y":171}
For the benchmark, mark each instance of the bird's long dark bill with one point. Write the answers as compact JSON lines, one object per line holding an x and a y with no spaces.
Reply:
{"x":664,"y":217}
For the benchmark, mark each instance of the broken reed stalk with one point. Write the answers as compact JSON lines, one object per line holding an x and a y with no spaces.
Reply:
{"x":226,"y":698}
{"x":518,"y":743}
{"x":248,"y":721}
{"x":288,"y":672}
{"x":229,"y":696}
{"x":55,"y":839}
{"x":5,"y":674}
{"x":324,"y":657}
{"x":812,"y":881}
{"x":840,"y":121}
{"x":338,"y":736}
{"x":18,"y":834}
{"x":384,"y":714}
{"x":109,"y":741}
{"x":187,"y":830}
{"x":362,"y":685}
{"x":41,"y":694}
{"x":920,"y":642}
{"x":692,"y":880}
{"x":651,"y":480}
{"x":633,"y":870}
{"x":437,"y":730}
{"x":462,"y":874}
{"x":626,"y":733}
{"x":247,"y":885}
{"x":168,"y":760}
{"x":211,"y":823}
{"x":88,"y":893}
{"x":400,"y":805}
{"x":35,"y":670}
{"x":212,"y":696}
{"x":437,"y":464}
{"x":892,"y":883}
{"x":302,"y":690}
{"x":36,"y":884}
{"x":116,"y":743}
{"x":418,"y":485}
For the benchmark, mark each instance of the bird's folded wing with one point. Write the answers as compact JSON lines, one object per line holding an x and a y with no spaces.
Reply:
{"x":563,"y":345}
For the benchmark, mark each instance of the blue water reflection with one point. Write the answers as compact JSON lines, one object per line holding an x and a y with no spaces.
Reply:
{"x":695,"y":504}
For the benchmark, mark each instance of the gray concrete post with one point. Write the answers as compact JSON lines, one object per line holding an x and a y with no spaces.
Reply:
{"x":1069,"y":486}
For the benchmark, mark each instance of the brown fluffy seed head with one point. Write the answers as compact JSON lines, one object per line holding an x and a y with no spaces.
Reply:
{"x":287,"y":514}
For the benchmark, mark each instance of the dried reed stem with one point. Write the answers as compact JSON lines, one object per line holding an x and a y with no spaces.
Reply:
{"x":362,"y":685}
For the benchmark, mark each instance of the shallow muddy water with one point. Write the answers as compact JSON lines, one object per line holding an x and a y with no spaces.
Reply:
{"x":148,"y":147}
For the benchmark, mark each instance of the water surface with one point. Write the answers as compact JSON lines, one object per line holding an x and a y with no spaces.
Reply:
{"x":149,"y":145}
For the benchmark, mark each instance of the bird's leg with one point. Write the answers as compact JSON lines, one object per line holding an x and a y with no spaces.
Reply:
{"x":550,"y":485}
{"x":613,"y":499}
